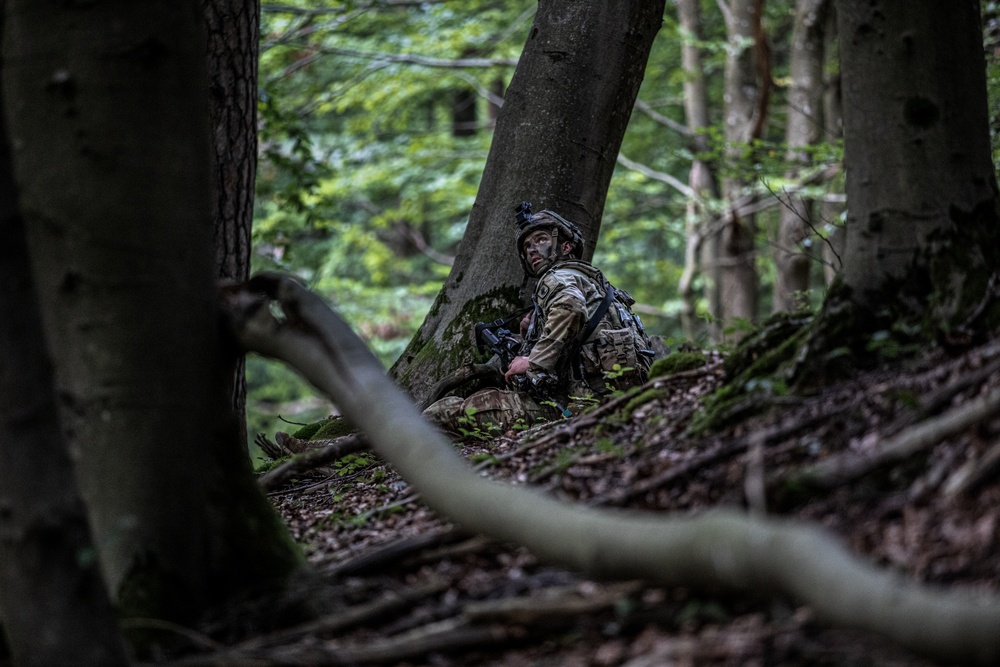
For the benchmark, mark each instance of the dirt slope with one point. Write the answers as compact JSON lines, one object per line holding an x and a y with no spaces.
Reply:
{"x":402,"y":586}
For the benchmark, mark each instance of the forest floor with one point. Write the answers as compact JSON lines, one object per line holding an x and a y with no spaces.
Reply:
{"x":403,"y":586}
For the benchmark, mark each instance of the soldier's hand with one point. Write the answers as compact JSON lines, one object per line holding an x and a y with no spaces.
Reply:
{"x":518,"y":366}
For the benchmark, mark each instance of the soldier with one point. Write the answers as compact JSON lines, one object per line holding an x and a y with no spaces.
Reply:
{"x":579,"y":340}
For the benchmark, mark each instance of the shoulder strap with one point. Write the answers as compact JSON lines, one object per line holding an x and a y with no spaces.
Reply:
{"x":597,"y":316}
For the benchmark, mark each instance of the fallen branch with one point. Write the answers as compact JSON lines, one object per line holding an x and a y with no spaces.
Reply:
{"x":848,"y":466}
{"x":974,"y":473}
{"x":310,"y":459}
{"x":390,"y":604}
{"x":400,"y":549}
{"x":550,"y":606}
{"x":719,"y":548}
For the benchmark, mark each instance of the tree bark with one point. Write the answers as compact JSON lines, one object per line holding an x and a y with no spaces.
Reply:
{"x":701,"y":248}
{"x":792,"y":258}
{"x":922,"y":228}
{"x":107,"y":105}
{"x":745,"y":115}
{"x":233,"y":29}
{"x":555,"y":145}
{"x":833,"y":127}
{"x":53,"y":603}
{"x":722,"y":548}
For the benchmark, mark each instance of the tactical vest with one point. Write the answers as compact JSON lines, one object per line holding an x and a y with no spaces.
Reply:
{"x":612,"y":351}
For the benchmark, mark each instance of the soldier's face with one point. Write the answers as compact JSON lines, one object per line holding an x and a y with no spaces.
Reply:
{"x":538,"y":250}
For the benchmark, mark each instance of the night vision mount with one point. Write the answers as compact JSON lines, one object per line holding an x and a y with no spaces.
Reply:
{"x":522,"y":214}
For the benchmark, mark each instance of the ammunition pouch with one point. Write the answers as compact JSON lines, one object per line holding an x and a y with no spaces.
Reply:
{"x":613,"y":360}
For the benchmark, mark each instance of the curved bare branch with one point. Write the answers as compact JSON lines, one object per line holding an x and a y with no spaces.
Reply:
{"x":719,"y":548}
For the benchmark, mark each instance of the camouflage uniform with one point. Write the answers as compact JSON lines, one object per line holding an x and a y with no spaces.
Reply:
{"x":564,"y":299}
{"x":560,"y":367}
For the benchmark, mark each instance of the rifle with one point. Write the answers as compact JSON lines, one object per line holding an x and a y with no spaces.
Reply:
{"x":495,"y":337}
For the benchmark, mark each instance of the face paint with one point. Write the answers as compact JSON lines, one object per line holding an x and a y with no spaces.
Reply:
{"x":538,"y":250}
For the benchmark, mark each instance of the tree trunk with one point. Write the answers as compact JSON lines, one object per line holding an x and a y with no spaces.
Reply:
{"x":108,"y":112}
{"x":923,"y":231}
{"x":700,"y":245}
{"x":233,"y":28}
{"x":833,"y":128}
{"x":792,"y":256}
{"x":922,"y":228}
{"x":745,"y":115}
{"x":555,"y":145}
{"x":53,"y":604}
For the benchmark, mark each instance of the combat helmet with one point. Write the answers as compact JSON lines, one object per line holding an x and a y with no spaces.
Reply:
{"x":562,"y":230}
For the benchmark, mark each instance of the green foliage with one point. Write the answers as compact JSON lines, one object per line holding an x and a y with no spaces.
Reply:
{"x":991,"y":44}
{"x":364,"y":188}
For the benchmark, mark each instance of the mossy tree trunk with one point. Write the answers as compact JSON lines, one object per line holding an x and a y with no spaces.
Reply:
{"x":923,"y":235}
{"x":108,"y":112}
{"x":555,"y":144}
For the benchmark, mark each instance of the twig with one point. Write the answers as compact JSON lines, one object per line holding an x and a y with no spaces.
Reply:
{"x":391,"y":603}
{"x":849,"y":466}
{"x":395,"y":551}
{"x":723,"y":450}
{"x":973,"y":473}
{"x":564,"y":430}
{"x":199,"y":639}
{"x":337,"y":449}
{"x":552,"y":605}
{"x":450,"y":635}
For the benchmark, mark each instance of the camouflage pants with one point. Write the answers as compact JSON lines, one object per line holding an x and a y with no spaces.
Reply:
{"x":487,"y":412}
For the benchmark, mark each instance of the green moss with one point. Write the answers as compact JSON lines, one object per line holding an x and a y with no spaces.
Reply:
{"x":437,"y":357}
{"x":763,"y":343}
{"x":308,"y":431}
{"x":677,"y":362}
{"x":269,"y":465}
{"x":333,"y":428}
{"x":761,"y":368}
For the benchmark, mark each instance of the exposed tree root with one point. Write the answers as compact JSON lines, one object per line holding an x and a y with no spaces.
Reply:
{"x":713,"y":549}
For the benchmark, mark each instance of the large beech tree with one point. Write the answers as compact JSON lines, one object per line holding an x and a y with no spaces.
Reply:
{"x":555,"y":144}
{"x":108,"y":115}
{"x":923,"y":234}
